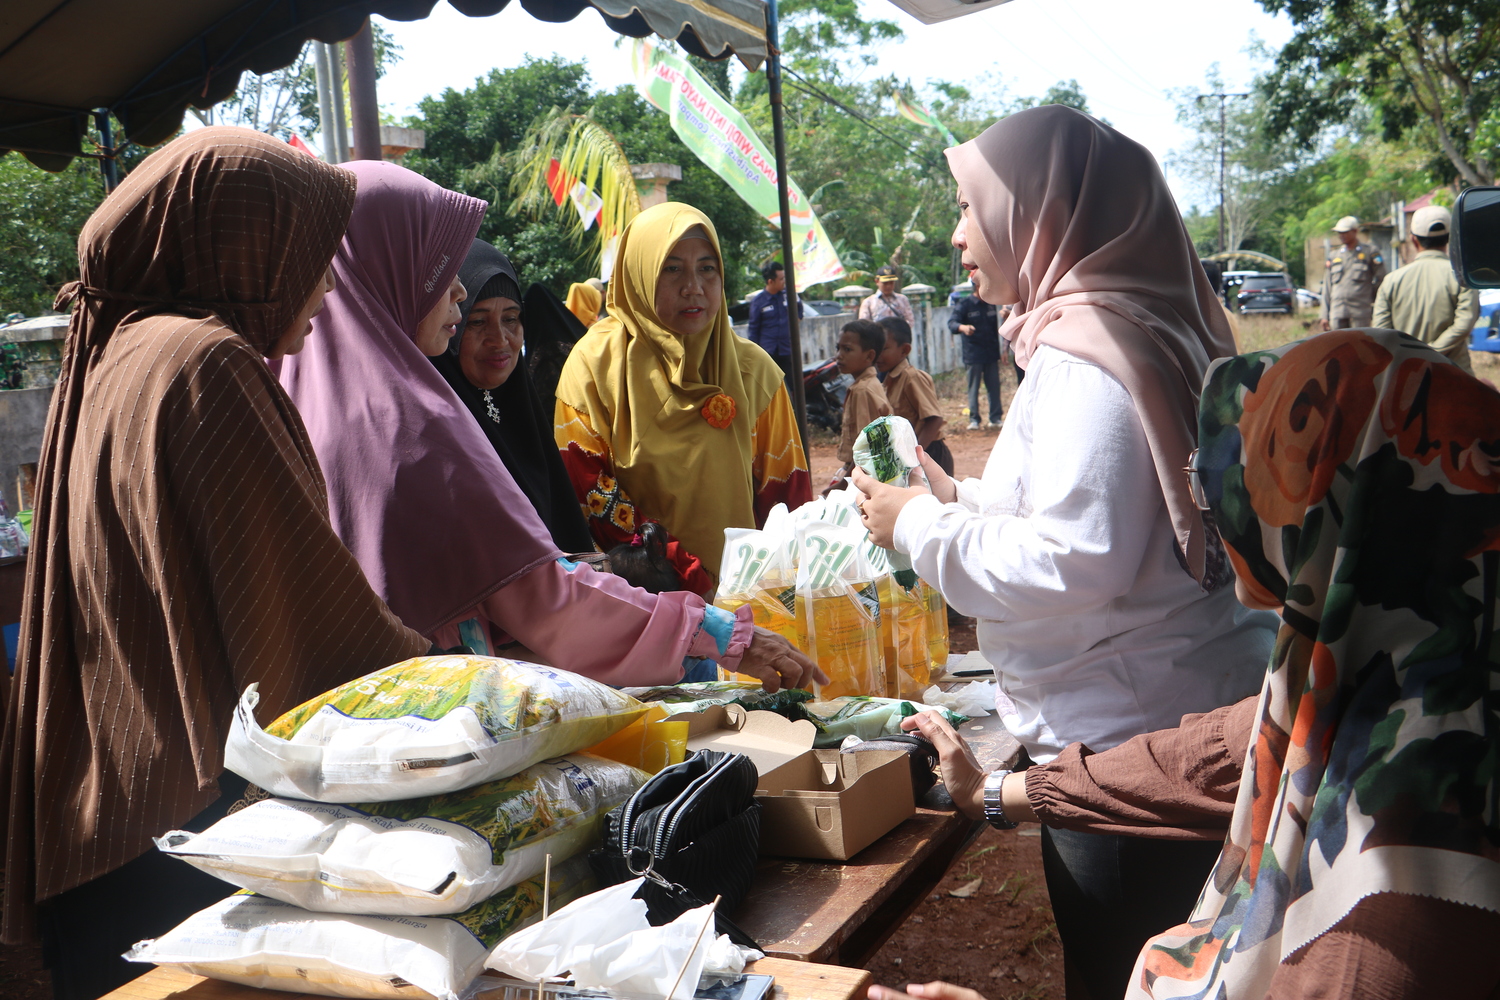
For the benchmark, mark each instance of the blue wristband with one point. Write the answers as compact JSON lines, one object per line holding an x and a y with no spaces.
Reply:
{"x":720,"y":624}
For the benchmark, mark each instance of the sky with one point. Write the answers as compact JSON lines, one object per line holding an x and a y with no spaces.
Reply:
{"x":1125,"y":56}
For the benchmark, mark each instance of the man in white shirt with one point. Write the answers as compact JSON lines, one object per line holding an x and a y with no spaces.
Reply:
{"x":887,"y":301}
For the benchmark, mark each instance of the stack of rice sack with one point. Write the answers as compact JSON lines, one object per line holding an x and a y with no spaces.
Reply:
{"x":813,"y":576}
{"x":409,"y":819}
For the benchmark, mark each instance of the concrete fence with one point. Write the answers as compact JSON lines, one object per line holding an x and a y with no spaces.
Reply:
{"x":933,"y":348}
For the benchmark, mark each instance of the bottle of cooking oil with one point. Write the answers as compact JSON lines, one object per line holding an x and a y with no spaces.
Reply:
{"x":937,"y":630}
{"x":903,"y":630}
{"x":773,"y":605}
{"x":843,"y":637}
{"x":839,"y":600}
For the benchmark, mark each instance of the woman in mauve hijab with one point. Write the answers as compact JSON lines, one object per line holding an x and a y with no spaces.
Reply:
{"x":1102,"y":597}
{"x":423,"y":500}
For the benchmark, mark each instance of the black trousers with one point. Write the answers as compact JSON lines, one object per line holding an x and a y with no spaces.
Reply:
{"x":784,"y":362}
{"x":86,"y":929}
{"x":1111,"y":893}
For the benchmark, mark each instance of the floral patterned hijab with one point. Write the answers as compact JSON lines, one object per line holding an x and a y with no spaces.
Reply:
{"x":1355,"y":478}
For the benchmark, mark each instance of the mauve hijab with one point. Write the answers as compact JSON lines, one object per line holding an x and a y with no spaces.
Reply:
{"x":1080,"y":219}
{"x":414,"y":488}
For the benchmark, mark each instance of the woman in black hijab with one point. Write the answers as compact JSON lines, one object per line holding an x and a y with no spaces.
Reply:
{"x":484,"y":366}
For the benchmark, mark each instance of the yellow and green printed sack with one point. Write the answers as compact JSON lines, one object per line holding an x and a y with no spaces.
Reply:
{"x":424,"y":726}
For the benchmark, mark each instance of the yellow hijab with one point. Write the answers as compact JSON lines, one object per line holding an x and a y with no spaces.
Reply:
{"x":677,"y":412}
{"x":583,"y":301}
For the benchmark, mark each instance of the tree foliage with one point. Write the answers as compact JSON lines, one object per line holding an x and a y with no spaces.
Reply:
{"x":1427,"y":68}
{"x":479,"y":126}
{"x":41,"y":215}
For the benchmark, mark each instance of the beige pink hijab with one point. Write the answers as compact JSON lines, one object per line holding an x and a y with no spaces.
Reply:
{"x":1080,"y":219}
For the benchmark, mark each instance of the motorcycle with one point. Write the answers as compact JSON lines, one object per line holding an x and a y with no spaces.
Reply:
{"x":825,"y":387}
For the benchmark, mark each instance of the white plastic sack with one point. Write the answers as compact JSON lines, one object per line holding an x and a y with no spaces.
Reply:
{"x":273,"y":945}
{"x":434,"y":855}
{"x":604,"y":940}
{"x":424,"y":726}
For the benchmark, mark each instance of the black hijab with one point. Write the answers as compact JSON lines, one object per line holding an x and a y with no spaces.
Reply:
{"x":523,"y":436}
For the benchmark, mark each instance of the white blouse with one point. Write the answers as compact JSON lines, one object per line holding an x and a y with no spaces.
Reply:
{"x":1064,"y":553}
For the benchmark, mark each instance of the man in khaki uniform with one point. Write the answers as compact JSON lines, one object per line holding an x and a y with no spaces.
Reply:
{"x":1424,"y":298}
{"x":1350,"y":276}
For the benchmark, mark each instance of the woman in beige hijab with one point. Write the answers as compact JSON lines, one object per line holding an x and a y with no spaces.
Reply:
{"x":1101,"y":596}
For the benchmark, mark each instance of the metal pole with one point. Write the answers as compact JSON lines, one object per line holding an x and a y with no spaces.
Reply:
{"x":364,"y":106}
{"x":1223,"y":238}
{"x":108,"y":167}
{"x":340,"y":113}
{"x":793,"y":321}
{"x":321,"y":64}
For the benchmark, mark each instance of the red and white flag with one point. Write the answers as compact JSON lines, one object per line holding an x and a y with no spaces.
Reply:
{"x":564,"y":186}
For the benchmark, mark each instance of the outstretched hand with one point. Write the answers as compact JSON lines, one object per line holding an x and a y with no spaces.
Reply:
{"x":924,"y":991}
{"x":778,"y":663}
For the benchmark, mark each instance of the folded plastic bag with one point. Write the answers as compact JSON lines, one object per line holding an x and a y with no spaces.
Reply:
{"x":604,"y":940}
{"x":887,"y":450}
{"x":266,"y":943}
{"x":434,"y":855}
{"x":424,"y":726}
{"x":975,"y":699}
{"x":866,"y":718}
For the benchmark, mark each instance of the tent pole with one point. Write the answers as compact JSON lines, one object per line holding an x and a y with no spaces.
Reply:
{"x":324,"y":72}
{"x":793,"y":321}
{"x":108,"y":166}
{"x":364,"y":107}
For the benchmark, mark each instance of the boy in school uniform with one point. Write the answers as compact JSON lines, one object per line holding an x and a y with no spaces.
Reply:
{"x":859,"y":343}
{"x":911,"y":391}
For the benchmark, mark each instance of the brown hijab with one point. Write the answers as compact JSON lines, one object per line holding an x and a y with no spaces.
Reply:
{"x":1080,"y":219}
{"x":182,"y":548}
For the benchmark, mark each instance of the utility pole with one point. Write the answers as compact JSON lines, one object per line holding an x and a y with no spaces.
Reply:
{"x":364,"y":107}
{"x":1222,"y":98}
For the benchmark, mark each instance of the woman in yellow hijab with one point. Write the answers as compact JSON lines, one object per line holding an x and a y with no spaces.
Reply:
{"x":583,"y":301}
{"x":664,"y":414}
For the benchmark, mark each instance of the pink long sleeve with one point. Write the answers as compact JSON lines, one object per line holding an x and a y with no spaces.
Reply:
{"x":598,"y":625}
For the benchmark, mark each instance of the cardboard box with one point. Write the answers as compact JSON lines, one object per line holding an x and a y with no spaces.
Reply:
{"x":814,"y":803}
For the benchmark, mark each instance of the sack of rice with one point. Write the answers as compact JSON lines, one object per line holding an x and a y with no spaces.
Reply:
{"x":417,"y":857}
{"x":273,"y":945}
{"x":424,"y":726}
{"x":759,"y":568}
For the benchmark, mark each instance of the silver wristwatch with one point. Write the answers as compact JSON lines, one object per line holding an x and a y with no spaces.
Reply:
{"x":994,"y":811}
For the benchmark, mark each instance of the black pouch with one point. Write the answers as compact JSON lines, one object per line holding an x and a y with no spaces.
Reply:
{"x":920,"y":753}
{"x":693,"y":831}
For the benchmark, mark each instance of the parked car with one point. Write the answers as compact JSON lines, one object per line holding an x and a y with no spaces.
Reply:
{"x":1267,"y":293}
{"x":1308,"y":299}
{"x":739,"y":312}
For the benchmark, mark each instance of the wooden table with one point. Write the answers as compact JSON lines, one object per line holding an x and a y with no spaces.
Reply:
{"x":794,"y":981}
{"x":841,"y":913}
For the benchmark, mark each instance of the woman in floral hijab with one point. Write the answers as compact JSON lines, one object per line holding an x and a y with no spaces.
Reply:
{"x":1355,"y":480}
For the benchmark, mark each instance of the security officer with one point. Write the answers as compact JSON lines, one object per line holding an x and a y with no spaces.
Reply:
{"x":1424,"y":298}
{"x":1350,"y":276}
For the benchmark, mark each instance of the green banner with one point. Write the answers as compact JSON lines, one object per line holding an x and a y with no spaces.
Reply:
{"x":718,"y":135}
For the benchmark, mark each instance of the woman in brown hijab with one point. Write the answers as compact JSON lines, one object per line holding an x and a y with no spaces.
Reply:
{"x":182,"y":548}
